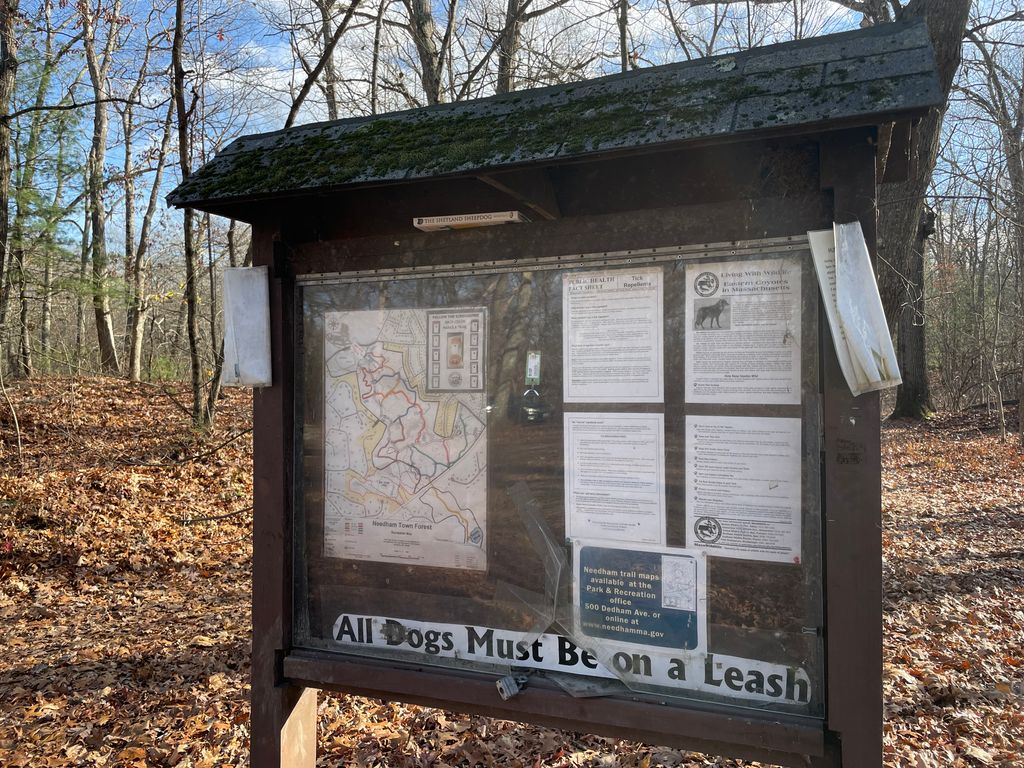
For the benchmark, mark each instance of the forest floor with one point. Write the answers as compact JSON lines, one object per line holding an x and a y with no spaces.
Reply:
{"x":124,"y":599}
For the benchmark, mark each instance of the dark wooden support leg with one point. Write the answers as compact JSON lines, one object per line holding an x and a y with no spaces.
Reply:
{"x":283,"y":716}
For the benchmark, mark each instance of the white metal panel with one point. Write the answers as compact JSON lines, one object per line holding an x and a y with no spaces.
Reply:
{"x":247,"y":327}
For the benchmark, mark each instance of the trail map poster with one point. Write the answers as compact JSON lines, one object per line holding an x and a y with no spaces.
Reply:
{"x":405,"y":466}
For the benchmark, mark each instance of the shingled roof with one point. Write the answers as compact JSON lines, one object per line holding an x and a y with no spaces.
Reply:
{"x":864,"y":77}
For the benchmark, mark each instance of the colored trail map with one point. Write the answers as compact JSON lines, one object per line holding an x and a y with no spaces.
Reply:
{"x":406,"y":469}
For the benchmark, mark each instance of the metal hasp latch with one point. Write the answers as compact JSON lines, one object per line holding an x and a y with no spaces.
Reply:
{"x":510,"y":685}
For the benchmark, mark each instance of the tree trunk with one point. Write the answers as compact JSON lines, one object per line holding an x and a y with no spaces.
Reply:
{"x":49,"y":248}
{"x":1012,"y":130}
{"x":83,"y":270}
{"x":979,"y":309}
{"x":5,"y":295}
{"x":997,"y":384}
{"x":128,"y":129}
{"x":25,"y":186}
{"x":213,"y":394}
{"x":21,"y":361}
{"x":8,"y":69}
{"x":421,"y":22}
{"x":46,"y":322}
{"x":100,"y":295}
{"x":378,"y":26}
{"x":215,"y":384}
{"x":622,"y":18}
{"x":24,"y":340}
{"x":901,"y":208}
{"x":199,"y":415}
{"x":20,"y":352}
{"x":151,"y":349}
{"x":140,"y":304}
{"x":508,"y":47}
{"x":211,"y":273}
{"x":913,"y":397}
{"x":98,"y":75}
{"x":330,"y":76}
{"x":232,"y":244}
{"x":137,"y":322}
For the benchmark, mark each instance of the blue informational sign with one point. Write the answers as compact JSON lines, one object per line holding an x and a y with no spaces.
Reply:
{"x":645,"y":598}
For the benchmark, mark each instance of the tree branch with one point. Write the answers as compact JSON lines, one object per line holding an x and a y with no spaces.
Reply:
{"x":1015,"y":16}
{"x":65,"y":107}
{"x":324,"y":57}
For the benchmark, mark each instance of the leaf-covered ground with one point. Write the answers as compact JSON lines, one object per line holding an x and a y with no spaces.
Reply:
{"x":124,"y":578}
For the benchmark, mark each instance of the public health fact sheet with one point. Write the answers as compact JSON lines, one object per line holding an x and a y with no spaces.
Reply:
{"x":615,"y":477}
{"x":612,"y":340}
{"x":743,"y":332}
{"x":743,"y":487}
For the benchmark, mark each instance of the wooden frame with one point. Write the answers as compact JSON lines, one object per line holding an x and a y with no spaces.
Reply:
{"x":306,"y":240}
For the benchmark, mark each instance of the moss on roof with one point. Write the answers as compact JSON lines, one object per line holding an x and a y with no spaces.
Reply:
{"x":706,"y":98}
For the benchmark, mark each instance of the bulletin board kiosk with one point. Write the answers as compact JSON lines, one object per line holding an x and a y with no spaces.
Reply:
{"x":593,"y":465}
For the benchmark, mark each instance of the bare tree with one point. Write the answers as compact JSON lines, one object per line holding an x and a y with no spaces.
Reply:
{"x":185,"y":107}
{"x":517,"y":14}
{"x":904,"y":223}
{"x":139,"y":250}
{"x":326,"y":56}
{"x":8,"y":71}
{"x":998,"y":94}
{"x":99,"y":63}
{"x":28,"y":195}
{"x":622,"y":23}
{"x":152,"y":162}
{"x":432,"y":52}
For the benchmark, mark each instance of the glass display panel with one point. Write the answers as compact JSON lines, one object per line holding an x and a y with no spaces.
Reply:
{"x":602,"y":473}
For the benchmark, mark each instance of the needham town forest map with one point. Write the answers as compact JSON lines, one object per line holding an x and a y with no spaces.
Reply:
{"x":406,"y":437}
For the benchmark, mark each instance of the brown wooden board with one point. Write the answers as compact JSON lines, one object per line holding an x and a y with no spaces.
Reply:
{"x":852,"y":502}
{"x":783,"y":741}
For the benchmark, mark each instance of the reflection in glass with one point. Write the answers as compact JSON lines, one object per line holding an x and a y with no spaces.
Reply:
{"x":511,"y":607}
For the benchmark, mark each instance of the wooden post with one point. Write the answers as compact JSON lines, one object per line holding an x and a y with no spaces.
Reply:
{"x":852,"y":496}
{"x":283,"y":716}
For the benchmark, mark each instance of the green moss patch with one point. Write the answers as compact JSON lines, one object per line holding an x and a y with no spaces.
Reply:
{"x":437,"y":142}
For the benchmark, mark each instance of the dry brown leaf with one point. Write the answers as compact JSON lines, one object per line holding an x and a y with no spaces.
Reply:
{"x":148,"y":643}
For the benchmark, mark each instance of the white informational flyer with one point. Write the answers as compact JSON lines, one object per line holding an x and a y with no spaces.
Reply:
{"x":615,"y":477}
{"x":854,"y":309}
{"x":405,"y":468}
{"x":743,"y":332}
{"x":456,"y":350}
{"x":612,"y":340}
{"x":743,"y":487}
